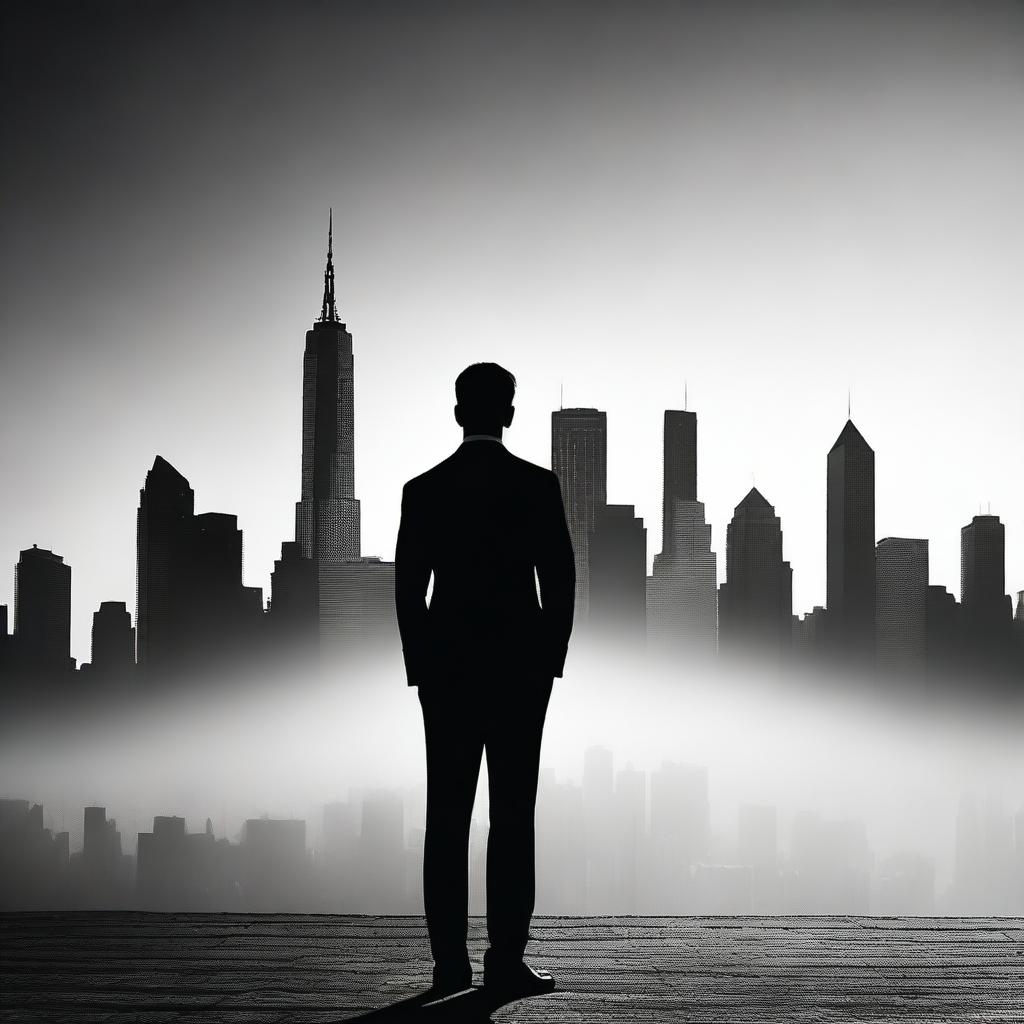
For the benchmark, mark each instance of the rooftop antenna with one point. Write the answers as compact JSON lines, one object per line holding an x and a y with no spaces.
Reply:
{"x":561,"y":395}
{"x":848,"y":416}
{"x":686,"y":396}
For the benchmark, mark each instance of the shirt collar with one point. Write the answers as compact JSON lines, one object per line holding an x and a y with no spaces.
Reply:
{"x":481,"y":437}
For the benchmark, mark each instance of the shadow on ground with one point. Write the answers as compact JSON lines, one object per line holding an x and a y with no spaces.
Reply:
{"x":474,"y":1006}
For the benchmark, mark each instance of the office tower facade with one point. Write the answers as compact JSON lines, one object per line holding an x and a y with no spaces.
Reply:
{"x":809,"y":634}
{"x":680,"y":470}
{"x":579,"y":458}
{"x":682,"y":592}
{"x":113,"y":640}
{"x":226,"y":615}
{"x":942,"y":632}
{"x":356,"y":605}
{"x":901,"y":606}
{"x":986,"y":607}
{"x":192,"y":606}
{"x":42,"y":612}
{"x":850,"y":544}
{"x":618,"y":574}
{"x":295,"y":599}
{"x":327,"y":515}
{"x":755,"y":607}
{"x":163,"y":534}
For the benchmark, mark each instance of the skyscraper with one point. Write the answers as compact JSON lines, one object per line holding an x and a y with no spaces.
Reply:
{"x":327,"y":515}
{"x":987,"y":610}
{"x":943,"y":628}
{"x":192,"y":604}
{"x":618,"y":571}
{"x":113,"y":640}
{"x":42,"y":612}
{"x":579,"y":458}
{"x":850,"y":543}
{"x":756,"y":602}
{"x":901,"y":603}
{"x":682,"y":593}
{"x":163,"y":533}
{"x":680,"y":469}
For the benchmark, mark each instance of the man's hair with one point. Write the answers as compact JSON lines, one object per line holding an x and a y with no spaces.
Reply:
{"x":485,"y":388}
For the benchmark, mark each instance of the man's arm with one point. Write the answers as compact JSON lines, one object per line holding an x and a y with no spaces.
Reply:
{"x":556,"y":573}
{"x":412,"y":575}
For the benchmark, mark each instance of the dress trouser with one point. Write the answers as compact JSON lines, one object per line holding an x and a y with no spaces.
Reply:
{"x":461,"y":721}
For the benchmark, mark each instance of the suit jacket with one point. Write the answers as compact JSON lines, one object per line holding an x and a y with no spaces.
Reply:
{"x":482,"y":521}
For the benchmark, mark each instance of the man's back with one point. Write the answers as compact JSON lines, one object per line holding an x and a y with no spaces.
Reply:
{"x":484,"y":655}
{"x":482,"y":521}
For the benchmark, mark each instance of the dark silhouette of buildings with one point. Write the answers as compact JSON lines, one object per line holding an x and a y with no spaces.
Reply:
{"x":327,"y":515}
{"x":33,"y":860}
{"x":226,"y":614}
{"x":809,"y":634}
{"x":579,"y":458}
{"x":682,"y":592}
{"x":295,"y":599}
{"x":163,"y":615}
{"x":850,"y":543}
{"x":193,"y":609}
{"x":680,"y":470}
{"x":101,"y":872}
{"x":755,"y":606}
{"x":986,"y":608}
{"x":6,"y":645}
{"x":943,"y":645}
{"x":901,"y":606}
{"x":618,"y":574}
{"x":113,"y":641}
{"x":325,"y":597}
{"x":42,"y":613}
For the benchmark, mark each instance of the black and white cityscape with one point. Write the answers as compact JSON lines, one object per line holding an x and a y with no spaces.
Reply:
{"x":884,"y":616}
{"x":616,"y":839}
{"x":756,"y":270}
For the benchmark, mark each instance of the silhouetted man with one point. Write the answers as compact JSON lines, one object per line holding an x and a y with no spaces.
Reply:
{"x":483,"y":653}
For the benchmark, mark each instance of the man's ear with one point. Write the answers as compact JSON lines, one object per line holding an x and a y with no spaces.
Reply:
{"x":508,"y":416}
{"x":458,"y":415}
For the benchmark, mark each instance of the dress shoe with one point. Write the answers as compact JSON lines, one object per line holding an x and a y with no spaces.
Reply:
{"x":513,"y":979}
{"x":451,"y":979}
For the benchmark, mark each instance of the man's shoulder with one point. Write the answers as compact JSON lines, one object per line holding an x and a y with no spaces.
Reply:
{"x":529,"y":473}
{"x":429,"y":476}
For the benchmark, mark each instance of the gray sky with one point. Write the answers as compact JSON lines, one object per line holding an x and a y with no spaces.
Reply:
{"x":773,"y":205}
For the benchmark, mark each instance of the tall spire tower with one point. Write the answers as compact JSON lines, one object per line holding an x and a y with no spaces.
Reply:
{"x":328,"y":312}
{"x":327,"y":515}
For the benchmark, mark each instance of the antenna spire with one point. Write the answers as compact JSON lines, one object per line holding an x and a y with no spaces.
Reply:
{"x":561,"y":395}
{"x":328,"y":312}
{"x":686,"y":395}
{"x":848,"y":404}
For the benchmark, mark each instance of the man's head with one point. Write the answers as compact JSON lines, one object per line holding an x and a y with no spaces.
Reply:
{"x":484,"y":393}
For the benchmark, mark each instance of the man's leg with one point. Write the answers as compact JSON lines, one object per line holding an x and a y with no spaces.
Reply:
{"x":454,"y":748}
{"x":513,"y":741}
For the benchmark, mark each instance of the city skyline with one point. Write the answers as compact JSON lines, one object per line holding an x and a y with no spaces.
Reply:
{"x":632,"y":208}
{"x":578,"y":454}
{"x":614,"y":838}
